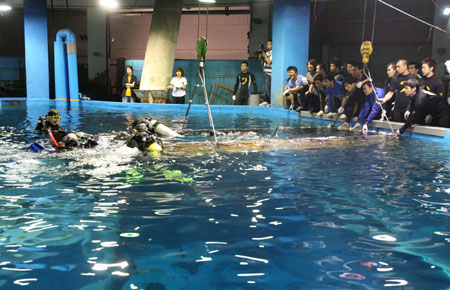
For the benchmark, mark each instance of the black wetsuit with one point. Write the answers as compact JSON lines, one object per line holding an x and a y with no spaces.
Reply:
{"x":423,"y":104}
{"x":145,"y":135}
{"x":43,"y":126}
{"x":243,"y":82}
{"x":434,"y":85}
{"x":401,"y":100}
{"x":81,"y":140}
{"x":143,"y":140}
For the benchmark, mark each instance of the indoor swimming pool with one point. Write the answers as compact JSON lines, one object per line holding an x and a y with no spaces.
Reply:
{"x":310,"y":207}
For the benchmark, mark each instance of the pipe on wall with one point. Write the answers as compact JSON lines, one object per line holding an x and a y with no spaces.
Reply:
{"x":66,"y":70}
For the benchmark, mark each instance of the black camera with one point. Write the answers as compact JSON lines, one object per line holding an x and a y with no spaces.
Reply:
{"x":261,"y":48}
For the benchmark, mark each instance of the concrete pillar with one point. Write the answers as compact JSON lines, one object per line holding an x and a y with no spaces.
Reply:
{"x":161,"y":45}
{"x":96,"y":26}
{"x":290,"y":42}
{"x":441,"y":41}
{"x":36,"y":49}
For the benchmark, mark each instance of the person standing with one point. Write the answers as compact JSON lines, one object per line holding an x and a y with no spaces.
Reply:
{"x":243,"y":82}
{"x":431,"y":82}
{"x":128,"y":83}
{"x":397,"y":89}
{"x":266,"y":56}
{"x":178,"y":84}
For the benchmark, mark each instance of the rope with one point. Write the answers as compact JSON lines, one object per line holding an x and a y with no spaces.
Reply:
{"x":364,"y":21}
{"x":418,"y":19}
{"x":198,"y":22}
{"x":374,"y":17}
{"x":207,"y":16}
{"x":211,"y":121}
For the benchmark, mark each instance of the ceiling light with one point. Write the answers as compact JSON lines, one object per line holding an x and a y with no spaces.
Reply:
{"x":447,"y":11}
{"x":4,"y":7}
{"x":109,"y":4}
{"x":207,"y":1}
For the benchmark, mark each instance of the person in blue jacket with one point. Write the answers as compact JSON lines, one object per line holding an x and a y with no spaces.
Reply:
{"x":369,"y":108}
{"x":376,"y":109}
{"x":335,"y":92}
{"x":294,"y":86}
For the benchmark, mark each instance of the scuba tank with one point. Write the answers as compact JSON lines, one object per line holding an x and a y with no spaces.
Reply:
{"x":156,"y":127}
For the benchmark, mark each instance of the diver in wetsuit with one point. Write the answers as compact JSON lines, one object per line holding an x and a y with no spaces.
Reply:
{"x":243,"y":82}
{"x":143,"y":136}
{"x":63,"y":138}
{"x":423,"y":103}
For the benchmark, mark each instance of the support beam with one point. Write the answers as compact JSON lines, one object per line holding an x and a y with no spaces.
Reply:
{"x":290,"y":42}
{"x":161,"y":45}
{"x":36,"y":49}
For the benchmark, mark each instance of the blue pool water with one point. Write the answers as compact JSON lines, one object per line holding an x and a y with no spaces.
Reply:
{"x":352,"y":212}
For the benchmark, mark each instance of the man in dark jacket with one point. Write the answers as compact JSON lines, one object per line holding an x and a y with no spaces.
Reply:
{"x":422,"y":104}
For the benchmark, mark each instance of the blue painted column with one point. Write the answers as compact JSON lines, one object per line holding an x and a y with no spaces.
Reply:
{"x":290,"y":42}
{"x":36,"y":49}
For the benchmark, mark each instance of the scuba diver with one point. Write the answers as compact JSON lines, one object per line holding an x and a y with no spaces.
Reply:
{"x":143,"y":136}
{"x":62,"y":139}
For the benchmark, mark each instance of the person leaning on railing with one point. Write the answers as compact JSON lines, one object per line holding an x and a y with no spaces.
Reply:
{"x":422,"y":105}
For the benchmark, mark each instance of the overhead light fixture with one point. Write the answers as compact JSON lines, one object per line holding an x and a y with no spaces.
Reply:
{"x":109,"y":4}
{"x":207,"y":1}
{"x":447,"y":11}
{"x":4,"y":7}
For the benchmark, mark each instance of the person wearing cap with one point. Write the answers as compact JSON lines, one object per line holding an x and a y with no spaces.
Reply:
{"x":424,"y":104}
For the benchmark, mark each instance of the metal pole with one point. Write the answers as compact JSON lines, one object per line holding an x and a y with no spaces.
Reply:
{"x":201,"y":73}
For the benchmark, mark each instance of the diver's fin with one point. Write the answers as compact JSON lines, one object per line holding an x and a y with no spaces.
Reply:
{"x":36,"y":147}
